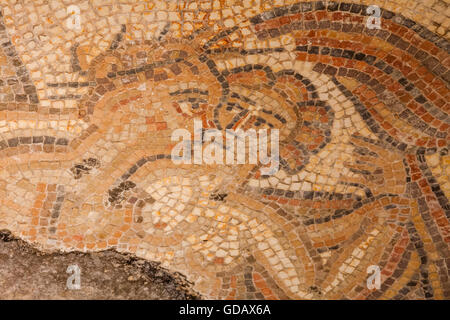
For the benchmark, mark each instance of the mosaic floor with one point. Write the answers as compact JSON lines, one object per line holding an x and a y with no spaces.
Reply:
{"x":87,"y":110}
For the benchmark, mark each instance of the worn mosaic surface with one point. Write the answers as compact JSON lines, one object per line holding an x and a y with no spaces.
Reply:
{"x":86,"y":116}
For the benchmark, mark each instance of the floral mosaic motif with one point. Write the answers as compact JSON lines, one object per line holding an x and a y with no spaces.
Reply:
{"x":86,"y":118}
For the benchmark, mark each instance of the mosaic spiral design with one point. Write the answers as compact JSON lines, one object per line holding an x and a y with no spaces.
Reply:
{"x":86,"y":118}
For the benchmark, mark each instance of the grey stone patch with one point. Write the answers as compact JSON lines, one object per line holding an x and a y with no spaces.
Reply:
{"x":27,"y":273}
